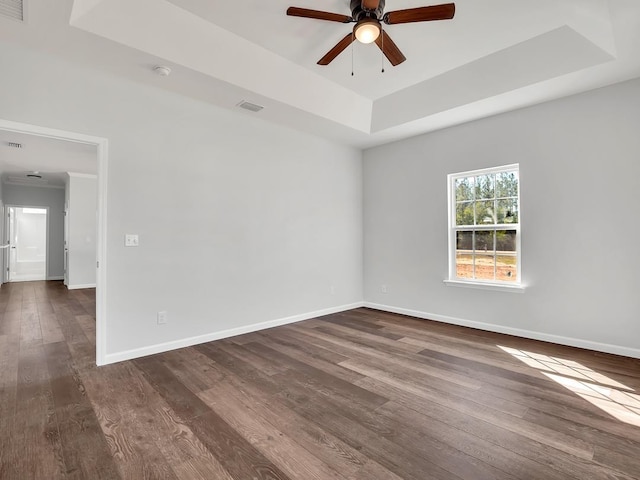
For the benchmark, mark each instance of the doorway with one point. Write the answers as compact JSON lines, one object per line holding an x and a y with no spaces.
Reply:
{"x":101,"y":263}
{"x":27,"y":237}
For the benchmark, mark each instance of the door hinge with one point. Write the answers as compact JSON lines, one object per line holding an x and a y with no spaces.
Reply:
{"x":97,"y":264}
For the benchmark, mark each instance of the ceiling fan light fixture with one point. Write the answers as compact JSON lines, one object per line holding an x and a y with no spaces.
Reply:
{"x":367,"y":30}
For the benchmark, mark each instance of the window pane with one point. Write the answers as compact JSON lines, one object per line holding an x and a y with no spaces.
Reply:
{"x":507,"y":184}
{"x":484,"y":260}
{"x":506,"y":258}
{"x":485,"y":187}
{"x":507,"y":211}
{"x":484,"y":242}
{"x":464,"y":255}
{"x":464,"y":189}
{"x":485,"y":214}
{"x":464,"y":213}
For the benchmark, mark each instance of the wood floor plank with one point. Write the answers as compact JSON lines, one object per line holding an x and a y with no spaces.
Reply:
{"x":368,"y":339}
{"x":283,"y":451}
{"x":51,"y":332}
{"x":319,"y":379}
{"x":85,"y":450}
{"x":325,"y":446}
{"x":30,"y":331}
{"x":10,"y":322}
{"x":310,"y":355}
{"x":9,"y":356}
{"x":567,"y":443}
{"x":373,"y":471}
{"x":146,"y":438}
{"x":587,"y":433}
{"x":345,"y":320}
{"x":184,"y":451}
{"x":266,"y":365}
{"x":578,"y":411}
{"x":484,"y":428}
{"x":185,"y":403}
{"x":539,"y":393}
{"x":237,"y":455}
{"x":395,"y":458}
{"x":241,"y":369}
{"x":35,"y":450}
{"x":345,"y":343}
{"x":88,"y":325}
{"x":194,"y":369}
{"x":493,"y":461}
{"x":619,"y":461}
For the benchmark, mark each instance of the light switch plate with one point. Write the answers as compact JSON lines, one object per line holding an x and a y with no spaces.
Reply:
{"x":131,"y":240}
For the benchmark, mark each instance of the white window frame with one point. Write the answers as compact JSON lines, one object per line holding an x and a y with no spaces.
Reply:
{"x":516,"y":286}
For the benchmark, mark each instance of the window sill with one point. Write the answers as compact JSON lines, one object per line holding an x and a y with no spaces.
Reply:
{"x":486,"y":286}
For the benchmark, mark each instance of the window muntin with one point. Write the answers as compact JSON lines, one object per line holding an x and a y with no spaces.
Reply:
{"x":485,"y":226}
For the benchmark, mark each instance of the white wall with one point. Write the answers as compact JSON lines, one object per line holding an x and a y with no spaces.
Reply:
{"x":240,"y":221}
{"x":580,"y":178}
{"x":82,"y":194}
{"x":43,"y":197}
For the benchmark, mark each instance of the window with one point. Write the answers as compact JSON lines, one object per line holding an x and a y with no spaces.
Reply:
{"x":484,"y":227}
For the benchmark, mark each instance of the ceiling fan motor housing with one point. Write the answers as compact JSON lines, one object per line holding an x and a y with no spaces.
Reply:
{"x":357,"y":13}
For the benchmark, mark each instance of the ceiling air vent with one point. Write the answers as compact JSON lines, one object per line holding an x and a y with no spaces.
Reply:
{"x":12,"y":9}
{"x":252,"y":107}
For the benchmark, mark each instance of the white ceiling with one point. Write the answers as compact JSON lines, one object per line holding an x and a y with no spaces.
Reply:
{"x":48,"y":156}
{"x":494,"y":56}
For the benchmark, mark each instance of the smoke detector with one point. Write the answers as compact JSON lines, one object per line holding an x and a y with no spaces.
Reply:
{"x":162,"y":70}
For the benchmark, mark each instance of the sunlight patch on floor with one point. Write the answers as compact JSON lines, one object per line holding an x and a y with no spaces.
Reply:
{"x":601,"y":391}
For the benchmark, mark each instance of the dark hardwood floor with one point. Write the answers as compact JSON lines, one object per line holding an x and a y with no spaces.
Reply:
{"x":360,"y":395}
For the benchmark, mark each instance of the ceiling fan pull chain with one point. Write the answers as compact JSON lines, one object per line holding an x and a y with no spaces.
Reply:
{"x":352,"y":40}
{"x":382,"y":49}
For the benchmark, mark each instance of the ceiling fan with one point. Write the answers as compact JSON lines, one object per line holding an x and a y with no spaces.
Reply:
{"x":368,"y":15}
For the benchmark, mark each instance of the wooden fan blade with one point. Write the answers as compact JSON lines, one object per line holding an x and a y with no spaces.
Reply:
{"x":390,"y":49}
{"x":317,"y":14}
{"x":370,"y":4}
{"x":421,"y":14}
{"x":337,"y":50}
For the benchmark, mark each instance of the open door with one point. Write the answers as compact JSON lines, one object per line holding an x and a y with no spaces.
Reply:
{"x":27,"y":239}
{"x":66,"y":242}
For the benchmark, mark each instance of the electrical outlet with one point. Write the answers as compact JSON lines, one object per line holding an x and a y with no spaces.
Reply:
{"x":383,"y":289}
{"x":163,"y":317}
{"x":131,"y":240}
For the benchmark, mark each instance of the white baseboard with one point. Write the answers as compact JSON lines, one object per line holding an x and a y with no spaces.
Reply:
{"x":232,"y":332}
{"x":35,"y":278}
{"x":518,"y":332}
{"x":78,"y":287}
{"x":55,"y":277}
